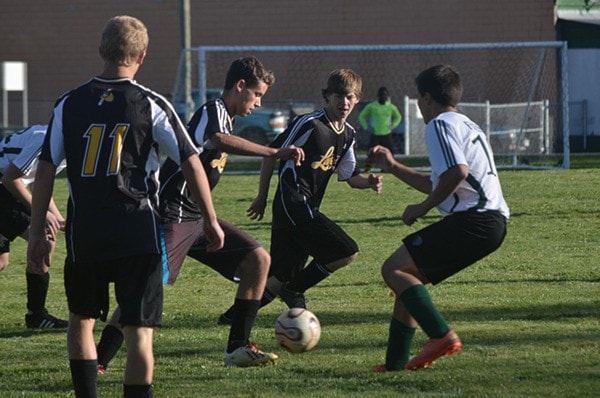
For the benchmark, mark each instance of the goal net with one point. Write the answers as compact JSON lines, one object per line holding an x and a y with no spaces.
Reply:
{"x":516,"y":92}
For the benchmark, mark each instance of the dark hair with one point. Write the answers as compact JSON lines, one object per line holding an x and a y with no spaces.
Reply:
{"x":249,"y":69}
{"x":383,"y":95}
{"x":442,"y":82}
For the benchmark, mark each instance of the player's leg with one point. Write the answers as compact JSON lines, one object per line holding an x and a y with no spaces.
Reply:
{"x":388,"y":142}
{"x":429,"y":255}
{"x":413,"y":305}
{"x":242,"y":259}
{"x":110,"y":343}
{"x":400,"y":273}
{"x":82,"y":355}
{"x":37,"y":291}
{"x":139,"y":368}
{"x":331,"y":248}
{"x":253,"y":271}
{"x":86,"y":287}
{"x":14,"y":222}
{"x":177,"y":239}
{"x":440,"y":251}
{"x":4,"y":252}
{"x":139,"y":293}
{"x":286,"y":260}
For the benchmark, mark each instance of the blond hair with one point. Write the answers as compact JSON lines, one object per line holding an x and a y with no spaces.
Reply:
{"x":343,"y":82}
{"x":124,"y":39}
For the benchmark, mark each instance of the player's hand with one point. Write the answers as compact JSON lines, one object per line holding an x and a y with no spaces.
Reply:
{"x":214,"y":234}
{"x":53,"y":225}
{"x":256,"y":211}
{"x":291,"y":152}
{"x":376,"y":183}
{"x":38,"y":254}
{"x":412,"y":213}
{"x":382,"y":157}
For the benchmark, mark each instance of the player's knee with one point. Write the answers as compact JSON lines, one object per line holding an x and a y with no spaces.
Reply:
{"x":4,"y":258}
{"x":258,"y":261}
{"x":387,"y":270}
{"x":350,"y":259}
{"x":334,"y":266}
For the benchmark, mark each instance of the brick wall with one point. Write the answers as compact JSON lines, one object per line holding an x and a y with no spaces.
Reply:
{"x":59,"y":39}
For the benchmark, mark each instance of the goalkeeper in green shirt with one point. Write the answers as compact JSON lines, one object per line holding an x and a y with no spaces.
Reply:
{"x":379,"y":118}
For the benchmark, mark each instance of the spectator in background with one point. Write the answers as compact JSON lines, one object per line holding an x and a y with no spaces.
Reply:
{"x":379,"y":118}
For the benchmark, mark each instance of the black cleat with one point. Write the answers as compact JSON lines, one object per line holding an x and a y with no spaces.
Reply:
{"x":224,"y":319}
{"x":44,"y":321}
{"x":292,"y":298}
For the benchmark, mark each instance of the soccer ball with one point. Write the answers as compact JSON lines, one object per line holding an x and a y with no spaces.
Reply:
{"x":297,"y":330}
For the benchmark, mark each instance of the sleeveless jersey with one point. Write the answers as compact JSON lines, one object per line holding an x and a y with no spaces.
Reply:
{"x":176,"y":202}
{"x":300,"y":189}
{"x":110,"y":133}
{"x":453,"y":139}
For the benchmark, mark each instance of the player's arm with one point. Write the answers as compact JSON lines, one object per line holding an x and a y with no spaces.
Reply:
{"x":12,"y":180}
{"x":361,"y":181}
{"x":396,"y":116}
{"x":256,"y":211}
{"x":382,"y":157}
{"x":38,"y":248}
{"x":195,"y":176}
{"x":448,"y":183}
{"x":240,"y":146}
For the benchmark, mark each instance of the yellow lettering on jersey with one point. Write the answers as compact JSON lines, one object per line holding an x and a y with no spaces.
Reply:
{"x":220,"y":163}
{"x":327,"y":161}
{"x":118,"y":135}
{"x":94,"y":139}
{"x":95,"y":135}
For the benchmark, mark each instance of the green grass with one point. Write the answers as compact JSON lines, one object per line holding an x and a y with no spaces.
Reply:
{"x":528,"y":314}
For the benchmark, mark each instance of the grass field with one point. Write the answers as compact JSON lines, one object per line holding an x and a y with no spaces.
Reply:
{"x":528,"y":315}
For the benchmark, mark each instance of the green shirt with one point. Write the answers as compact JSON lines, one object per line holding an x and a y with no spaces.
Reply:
{"x":381,"y":118}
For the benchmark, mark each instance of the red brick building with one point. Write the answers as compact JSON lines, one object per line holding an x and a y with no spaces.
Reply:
{"x":59,"y":39}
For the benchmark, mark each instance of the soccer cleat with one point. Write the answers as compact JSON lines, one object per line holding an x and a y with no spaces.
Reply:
{"x":101,"y":369}
{"x":434,"y":349}
{"x":225,"y":319}
{"x":249,"y":355}
{"x":292,"y":298}
{"x":380,"y":368}
{"x":44,"y":321}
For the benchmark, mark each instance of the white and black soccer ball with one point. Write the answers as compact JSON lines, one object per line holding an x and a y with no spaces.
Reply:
{"x":297,"y":330}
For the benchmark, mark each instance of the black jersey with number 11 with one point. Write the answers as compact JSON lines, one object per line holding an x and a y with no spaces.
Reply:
{"x":110,"y":132}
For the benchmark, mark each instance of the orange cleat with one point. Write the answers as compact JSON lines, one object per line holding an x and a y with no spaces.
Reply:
{"x":434,"y":349}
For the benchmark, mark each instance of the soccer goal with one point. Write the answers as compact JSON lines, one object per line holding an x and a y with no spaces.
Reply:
{"x":516,"y":92}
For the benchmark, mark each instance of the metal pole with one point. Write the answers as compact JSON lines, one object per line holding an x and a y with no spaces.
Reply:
{"x":564,"y":71}
{"x":25,"y":98}
{"x":406,"y":125}
{"x":186,"y":42}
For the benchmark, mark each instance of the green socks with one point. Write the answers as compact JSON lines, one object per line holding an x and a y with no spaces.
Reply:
{"x":398,"y":346}
{"x":417,"y":301}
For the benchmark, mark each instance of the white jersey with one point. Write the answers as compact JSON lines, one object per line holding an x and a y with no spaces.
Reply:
{"x":22,"y":149}
{"x":453,"y":139}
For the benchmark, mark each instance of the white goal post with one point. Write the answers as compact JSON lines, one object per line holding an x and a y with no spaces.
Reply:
{"x":517,"y":92}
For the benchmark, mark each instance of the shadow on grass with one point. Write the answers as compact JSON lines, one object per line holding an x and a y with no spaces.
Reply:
{"x":489,"y":313}
{"x":26,"y":333}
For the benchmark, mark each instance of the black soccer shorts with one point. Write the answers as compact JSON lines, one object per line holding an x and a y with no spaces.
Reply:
{"x":442,"y":249}
{"x":321,"y":239}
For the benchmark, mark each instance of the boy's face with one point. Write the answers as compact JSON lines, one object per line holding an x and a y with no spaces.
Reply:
{"x":424,"y":102}
{"x":249,"y":98}
{"x":339,"y":106}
